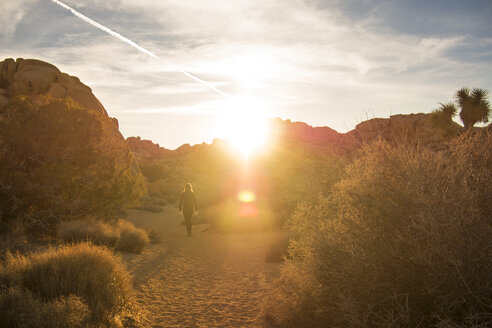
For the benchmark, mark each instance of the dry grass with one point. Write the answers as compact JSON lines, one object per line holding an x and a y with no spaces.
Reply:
{"x":402,"y":241}
{"x":19,"y":308}
{"x":132,"y":239}
{"x":73,"y":285}
{"x":122,"y":236}
{"x":90,"y":229}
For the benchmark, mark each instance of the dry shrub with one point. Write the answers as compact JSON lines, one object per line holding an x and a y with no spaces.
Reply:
{"x":98,"y":232}
{"x":59,"y":160}
{"x":19,"y":308}
{"x":67,"y":282}
{"x":402,"y":241}
{"x":132,"y":239}
{"x":122,"y":236}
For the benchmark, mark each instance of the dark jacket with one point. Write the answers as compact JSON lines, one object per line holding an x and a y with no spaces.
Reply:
{"x":187,"y":203}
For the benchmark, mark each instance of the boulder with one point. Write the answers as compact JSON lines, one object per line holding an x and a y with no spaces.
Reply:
{"x":56,"y":90}
{"x":115,"y":122}
{"x":35,"y":77}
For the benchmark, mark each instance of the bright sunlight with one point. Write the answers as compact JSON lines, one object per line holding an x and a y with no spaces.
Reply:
{"x":243,"y":124}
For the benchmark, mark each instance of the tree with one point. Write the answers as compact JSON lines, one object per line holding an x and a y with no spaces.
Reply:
{"x":449,"y":109}
{"x":475,"y":108}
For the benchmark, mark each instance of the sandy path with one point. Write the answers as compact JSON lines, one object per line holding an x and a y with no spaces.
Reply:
{"x":207,"y":280}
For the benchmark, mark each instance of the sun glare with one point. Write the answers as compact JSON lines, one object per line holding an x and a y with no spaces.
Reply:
{"x":244,"y":126}
{"x":246,"y":196}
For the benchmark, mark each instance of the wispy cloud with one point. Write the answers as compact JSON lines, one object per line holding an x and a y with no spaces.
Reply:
{"x":11,"y":13}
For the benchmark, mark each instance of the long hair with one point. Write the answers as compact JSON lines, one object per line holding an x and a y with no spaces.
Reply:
{"x":188,"y":188}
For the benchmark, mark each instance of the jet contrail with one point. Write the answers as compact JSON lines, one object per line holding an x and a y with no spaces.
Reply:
{"x":135,"y":45}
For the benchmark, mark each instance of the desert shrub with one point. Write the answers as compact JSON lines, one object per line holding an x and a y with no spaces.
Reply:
{"x":121,"y":235}
{"x":19,"y":308}
{"x":93,"y":230}
{"x":62,"y":280}
{"x":132,"y":239}
{"x":402,"y":241}
{"x":59,"y":160}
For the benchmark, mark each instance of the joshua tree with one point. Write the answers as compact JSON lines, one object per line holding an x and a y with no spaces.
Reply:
{"x":474,"y":106}
{"x":449,"y":109}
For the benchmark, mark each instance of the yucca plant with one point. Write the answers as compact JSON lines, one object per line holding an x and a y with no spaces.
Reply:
{"x":475,"y":108}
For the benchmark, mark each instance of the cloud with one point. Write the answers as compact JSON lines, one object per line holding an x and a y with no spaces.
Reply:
{"x":11,"y":13}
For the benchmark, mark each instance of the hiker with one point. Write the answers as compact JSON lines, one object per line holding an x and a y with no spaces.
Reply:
{"x":187,"y":205}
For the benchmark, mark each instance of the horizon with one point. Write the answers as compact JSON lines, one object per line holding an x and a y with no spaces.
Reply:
{"x":325,"y":63}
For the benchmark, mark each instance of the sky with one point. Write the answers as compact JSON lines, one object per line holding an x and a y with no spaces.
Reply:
{"x":329,"y":63}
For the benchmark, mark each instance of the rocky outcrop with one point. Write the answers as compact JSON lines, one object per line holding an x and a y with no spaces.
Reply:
{"x":412,"y":127}
{"x":302,"y":132}
{"x":79,"y":162}
{"x":146,"y":149}
{"x":35,"y":77}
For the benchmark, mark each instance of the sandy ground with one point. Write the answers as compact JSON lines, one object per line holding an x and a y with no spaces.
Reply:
{"x":207,"y":280}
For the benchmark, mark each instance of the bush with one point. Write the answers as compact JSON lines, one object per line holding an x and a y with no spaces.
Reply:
{"x":19,"y":308}
{"x":132,"y":239}
{"x":122,"y":236}
{"x":67,"y":282}
{"x":402,"y":241}
{"x":59,"y":161}
{"x":98,"y":232}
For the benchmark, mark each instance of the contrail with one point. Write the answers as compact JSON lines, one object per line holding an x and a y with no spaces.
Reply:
{"x":135,"y":45}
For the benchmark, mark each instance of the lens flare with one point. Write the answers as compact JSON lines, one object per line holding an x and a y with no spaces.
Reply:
{"x":246,"y":196}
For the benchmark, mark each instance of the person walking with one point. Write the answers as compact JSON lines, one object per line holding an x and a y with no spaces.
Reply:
{"x":187,"y":206}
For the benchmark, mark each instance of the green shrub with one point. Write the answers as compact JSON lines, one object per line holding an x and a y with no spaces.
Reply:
{"x":67,"y":282}
{"x":132,"y":239}
{"x":402,"y":241}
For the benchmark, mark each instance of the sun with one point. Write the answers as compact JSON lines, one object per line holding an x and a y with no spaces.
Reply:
{"x":244,"y":127}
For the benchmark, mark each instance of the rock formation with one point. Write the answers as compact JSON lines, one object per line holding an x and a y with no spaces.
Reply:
{"x":146,"y":149}
{"x":55,"y":132}
{"x":35,"y":77}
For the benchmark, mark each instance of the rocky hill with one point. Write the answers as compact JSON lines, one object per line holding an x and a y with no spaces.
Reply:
{"x":423,"y":128}
{"x":61,"y":155}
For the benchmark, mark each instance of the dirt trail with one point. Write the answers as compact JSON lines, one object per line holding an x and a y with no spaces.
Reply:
{"x":207,"y":280}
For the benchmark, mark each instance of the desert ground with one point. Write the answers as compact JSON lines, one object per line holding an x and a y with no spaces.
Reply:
{"x":207,"y":280}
